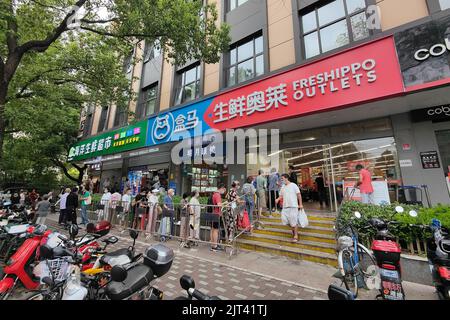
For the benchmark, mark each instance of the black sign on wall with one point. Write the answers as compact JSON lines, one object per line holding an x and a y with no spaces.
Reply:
{"x":435,"y":114}
{"x":430,"y":160}
{"x":424,"y":52}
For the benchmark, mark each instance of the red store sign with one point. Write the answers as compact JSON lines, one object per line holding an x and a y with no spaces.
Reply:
{"x":365,"y":73}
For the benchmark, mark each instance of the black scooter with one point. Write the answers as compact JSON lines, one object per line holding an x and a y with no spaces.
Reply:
{"x":438,"y":254}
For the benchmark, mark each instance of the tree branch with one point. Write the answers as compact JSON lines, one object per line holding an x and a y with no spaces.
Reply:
{"x":64,"y":169}
{"x":42,"y":45}
{"x":98,"y":21}
{"x":36,"y":78}
{"x":115,"y":35}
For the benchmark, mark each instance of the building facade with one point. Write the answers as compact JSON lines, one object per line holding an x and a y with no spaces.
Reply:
{"x":346,"y":82}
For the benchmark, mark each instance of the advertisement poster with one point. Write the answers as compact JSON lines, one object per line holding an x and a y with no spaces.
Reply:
{"x":380,"y":192}
{"x":430,"y":160}
{"x":135,"y":179}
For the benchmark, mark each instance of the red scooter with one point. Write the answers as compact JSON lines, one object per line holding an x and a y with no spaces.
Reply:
{"x":19,"y":268}
{"x":387,"y":254}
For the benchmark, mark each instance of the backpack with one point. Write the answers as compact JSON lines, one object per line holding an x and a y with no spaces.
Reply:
{"x":210,"y":203}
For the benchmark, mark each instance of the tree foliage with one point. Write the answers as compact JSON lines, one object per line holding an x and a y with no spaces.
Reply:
{"x":49,"y":70}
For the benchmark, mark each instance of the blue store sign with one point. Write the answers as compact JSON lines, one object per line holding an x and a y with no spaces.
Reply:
{"x":175,"y":125}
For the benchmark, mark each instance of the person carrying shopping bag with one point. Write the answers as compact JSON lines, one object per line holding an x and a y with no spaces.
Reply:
{"x":249,"y":196}
{"x":292,"y":202}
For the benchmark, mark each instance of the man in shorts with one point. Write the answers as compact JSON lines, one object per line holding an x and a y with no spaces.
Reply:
{"x":292,"y":202}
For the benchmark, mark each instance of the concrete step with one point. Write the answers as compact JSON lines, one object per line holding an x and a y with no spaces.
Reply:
{"x":311,"y":216}
{"x":322,"y":230}
{"x":302,"y":244}
{"x":312,"y":222}
{"x":291,"y":252}
{"x":303,"y":235}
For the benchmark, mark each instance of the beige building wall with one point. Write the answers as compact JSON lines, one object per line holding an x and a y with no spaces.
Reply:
{"x":112,"y":115}
{"x":212,"y":71}
{"x":96,"y":119}
{"x":281,"y":34}
{"x":395,"y":13}
{"x":137,"y":72}
{"x":166,"y":85}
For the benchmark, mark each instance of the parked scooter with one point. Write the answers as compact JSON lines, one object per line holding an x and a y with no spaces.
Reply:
{"x":387,"y":256}
{"x":438,"y":253}
{"x":19,"y":267}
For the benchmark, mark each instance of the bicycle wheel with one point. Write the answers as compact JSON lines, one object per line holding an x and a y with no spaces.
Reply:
{"x":348,"y":270}
{"x":368,"y":267}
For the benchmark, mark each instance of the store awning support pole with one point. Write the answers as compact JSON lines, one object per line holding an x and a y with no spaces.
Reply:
{"x":333,"y":181}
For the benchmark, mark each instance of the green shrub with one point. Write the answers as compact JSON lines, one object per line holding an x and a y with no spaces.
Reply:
{"x":406,"y":229}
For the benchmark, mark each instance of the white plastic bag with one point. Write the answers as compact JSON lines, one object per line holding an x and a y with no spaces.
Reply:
{"x":302,"y":218}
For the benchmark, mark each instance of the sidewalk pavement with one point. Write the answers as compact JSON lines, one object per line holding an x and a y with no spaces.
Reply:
{"x":251,"y":275}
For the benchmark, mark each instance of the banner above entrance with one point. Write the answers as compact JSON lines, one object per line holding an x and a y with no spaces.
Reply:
{"x":361,"y":74}
{"x":124,"y":139}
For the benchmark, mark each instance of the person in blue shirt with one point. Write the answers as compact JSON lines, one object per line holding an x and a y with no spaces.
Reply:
{"x":274,"y":188}
{"x":168,"y":205}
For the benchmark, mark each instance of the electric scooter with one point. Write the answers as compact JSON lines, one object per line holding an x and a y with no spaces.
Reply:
{"x":19,"y":268}
{"x":438,"y":254}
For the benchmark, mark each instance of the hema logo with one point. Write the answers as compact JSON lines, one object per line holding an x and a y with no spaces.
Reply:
{"x":442,"y":110}
{"x":435,"y":51}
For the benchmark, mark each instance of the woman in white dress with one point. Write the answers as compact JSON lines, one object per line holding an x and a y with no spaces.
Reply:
{"x":194,"y":221}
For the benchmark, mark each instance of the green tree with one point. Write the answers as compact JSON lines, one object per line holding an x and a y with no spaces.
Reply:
{"x":45,"y":62}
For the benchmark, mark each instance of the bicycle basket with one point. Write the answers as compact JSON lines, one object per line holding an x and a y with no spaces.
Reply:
{"x":344,"y":242}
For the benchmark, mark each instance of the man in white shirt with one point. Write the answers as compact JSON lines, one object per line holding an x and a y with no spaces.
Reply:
{"x":292,"y":202}
{"x":62,"y":207}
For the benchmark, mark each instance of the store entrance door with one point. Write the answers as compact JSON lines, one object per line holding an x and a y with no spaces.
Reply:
{"x":315,"y":177}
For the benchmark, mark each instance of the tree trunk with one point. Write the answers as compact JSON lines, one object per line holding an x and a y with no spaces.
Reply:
{"x":3,"y":90}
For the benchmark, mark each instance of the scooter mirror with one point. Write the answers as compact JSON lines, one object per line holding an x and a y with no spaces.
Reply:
{"x":187,"y":282}
{"x":357,"y":214}
{"x":133,"y":234}
{"x":73,"y":231}
{"x":399,"y":209}
{"x":413,"y":213}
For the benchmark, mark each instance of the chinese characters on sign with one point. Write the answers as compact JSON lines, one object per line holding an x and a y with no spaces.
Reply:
{"x":258,"y":101}
{"x":430,"y":160}
{"x":111,"y":142}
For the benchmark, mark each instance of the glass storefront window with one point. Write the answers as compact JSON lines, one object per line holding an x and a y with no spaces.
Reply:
{"x":443,"y":140}
{"x":334,"y":163}
{"x":203,"y":178}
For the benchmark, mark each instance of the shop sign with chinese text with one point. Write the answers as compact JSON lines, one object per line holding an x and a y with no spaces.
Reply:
{"x":358,"y":75}
{"x":124,"y":139}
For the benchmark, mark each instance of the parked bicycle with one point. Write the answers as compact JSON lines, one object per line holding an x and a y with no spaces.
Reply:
{"x":356,"y":263}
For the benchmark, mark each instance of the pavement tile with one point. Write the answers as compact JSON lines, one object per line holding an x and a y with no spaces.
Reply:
{"x":259,"y":294}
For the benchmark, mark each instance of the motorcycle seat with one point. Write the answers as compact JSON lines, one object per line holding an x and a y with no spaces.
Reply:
{"x":137,"y":278}
{"x":111,"y":256}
